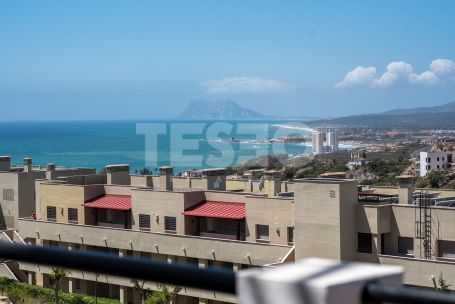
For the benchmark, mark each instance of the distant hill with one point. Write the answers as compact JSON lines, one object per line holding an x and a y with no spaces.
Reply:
{"x":415,"y":118}
{"x":448,"y":107}
{"x":225,"y":109}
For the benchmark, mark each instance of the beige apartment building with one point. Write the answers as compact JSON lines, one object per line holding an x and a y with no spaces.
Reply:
{"x":195,"y":220}
{"x":17,"y":187}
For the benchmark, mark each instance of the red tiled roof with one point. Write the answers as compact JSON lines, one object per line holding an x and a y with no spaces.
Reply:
{"x":228,"y":210}
{"x":110,"y":201}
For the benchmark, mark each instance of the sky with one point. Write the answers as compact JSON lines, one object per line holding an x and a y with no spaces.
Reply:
{"x":74,"y":60}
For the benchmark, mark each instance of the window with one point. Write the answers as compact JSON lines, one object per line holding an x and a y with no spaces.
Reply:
{"x":262,"y":232}
{"x":72,"y":215}
{"x":405,"y":245}
{"x":443,"y":158}
{"x":447,"y":249}
{"x":437,"y":158}
{"x":170,"y":224}
{"x":291,"y":235}
{"x":437,"y":167}
{"x":51,"y":213}
{"x":364,"y":242}
{"x":144,"y":222}
{"x":8,"y":194}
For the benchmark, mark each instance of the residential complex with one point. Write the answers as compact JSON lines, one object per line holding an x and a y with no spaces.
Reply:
{"x":324,"y":142}
{"x":210,"y":220}
{"x":430,"y":161}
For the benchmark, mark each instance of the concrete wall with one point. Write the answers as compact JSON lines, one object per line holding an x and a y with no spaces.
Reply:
{"x":142,"y":181}
{"x":325,"y":219}
{"x":277,"y":213}
{"x":168,"y":244}
{"x":159,"y":204}
{"x":54,"y":174}
{"x":62,"y":197}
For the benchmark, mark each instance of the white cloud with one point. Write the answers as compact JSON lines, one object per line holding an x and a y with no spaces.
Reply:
{"x":244,"y":85}
{"x":442,"y":67}
{"x":397,"y":72}
{"x":427,"y":78}
{"x":401,"y":73}
{"x":360,"y":76}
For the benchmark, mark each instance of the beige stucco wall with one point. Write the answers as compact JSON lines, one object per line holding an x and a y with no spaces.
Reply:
{"x":159,"y":204}
{"x":277,"y":213}
{"x":62,"y":197}
{"x":325,"y":219}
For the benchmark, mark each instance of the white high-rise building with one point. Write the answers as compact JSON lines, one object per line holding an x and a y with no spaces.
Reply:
{"x":330,"y":144}
{"x":332,"y":141}
{"x":318,"y":142}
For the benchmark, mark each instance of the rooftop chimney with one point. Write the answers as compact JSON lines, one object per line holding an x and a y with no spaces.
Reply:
{"x":215,"y":179}
{"x":118,"y":174}
{"x":27,"y":164}
{"x":5,"y":163}
{"x":50,"y":167}
{"x":405,"y":189}
{"x":272,"y":182}
{"x":166,"y":173}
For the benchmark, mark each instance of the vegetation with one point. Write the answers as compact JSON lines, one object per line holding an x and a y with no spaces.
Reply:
{"x":56,"y":275}
{"x":164,"y":294}
{"x":441,"y":284}
{"x":438,"y":179}
{"x":22,"y":293}
{"x":385,"y":171}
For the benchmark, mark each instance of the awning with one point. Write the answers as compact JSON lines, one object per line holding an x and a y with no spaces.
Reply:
{"x":110,"y":201}
{"x":227,"y":210}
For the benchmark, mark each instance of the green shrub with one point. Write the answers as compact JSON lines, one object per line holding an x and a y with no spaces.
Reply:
{"x":20,"y":293}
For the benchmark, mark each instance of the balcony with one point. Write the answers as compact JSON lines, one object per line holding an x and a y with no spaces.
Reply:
{"x":169,"y":244}
{"x":417,"y":271}
{"x":310,"y":280}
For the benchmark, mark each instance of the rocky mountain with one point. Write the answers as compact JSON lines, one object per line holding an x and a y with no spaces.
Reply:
{"x":224,"y":109}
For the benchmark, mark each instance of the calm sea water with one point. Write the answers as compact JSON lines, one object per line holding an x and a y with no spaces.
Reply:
{"x":183,"y":145}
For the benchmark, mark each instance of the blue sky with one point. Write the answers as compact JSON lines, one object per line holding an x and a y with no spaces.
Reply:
{"x":147,"y":59}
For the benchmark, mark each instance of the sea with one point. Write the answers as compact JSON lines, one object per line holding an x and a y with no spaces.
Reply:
{"x":150,"y":144}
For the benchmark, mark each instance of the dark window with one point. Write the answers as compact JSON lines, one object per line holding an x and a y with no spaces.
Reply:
{"x":262,"y":232}
{"x":405,"y":245}
{"x":447,"y":249}
{"x":443,"y":158}
{"x":291,"y":235}
{"x":51,"y":213}
{"x":437,"y":167}
{"x":365,"y":242}
{"x":170,"y":224}
{"x":437,"y":158}
{"x":144,"y":222}
{"x":72,"y":215}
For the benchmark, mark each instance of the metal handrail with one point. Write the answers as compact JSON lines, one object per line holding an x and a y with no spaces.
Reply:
{"x":187,"y":275}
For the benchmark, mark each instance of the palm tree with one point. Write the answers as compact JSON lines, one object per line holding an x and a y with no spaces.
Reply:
{"x":164,"y":295}
{"x":56,"y":275}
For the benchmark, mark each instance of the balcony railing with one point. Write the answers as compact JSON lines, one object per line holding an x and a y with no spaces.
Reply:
{"x":207,"y":279}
